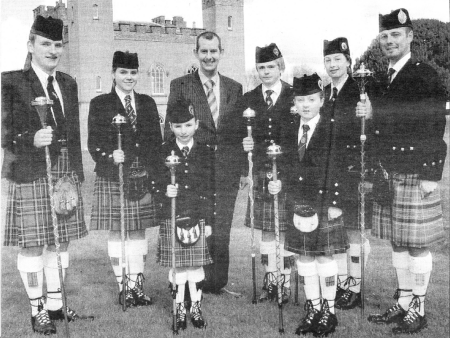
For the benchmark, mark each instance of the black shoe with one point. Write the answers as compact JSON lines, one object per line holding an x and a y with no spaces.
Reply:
{"x":41,"y":323}
{"x":309,"y":322}
{"x":196,"y":316}
{"x":130,"y":300}
{"x":327,"y":322}
{"x":339,"y":292}
{"x":140,"y":298}
{"x":181,"y":317}
{"x":71,"y":315}
{"x":394,"y":314}
{"x":413,"y":322}
{"x":349,"y":300}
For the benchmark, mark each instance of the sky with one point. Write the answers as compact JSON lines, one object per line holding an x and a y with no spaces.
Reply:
{"x":298,"y":27}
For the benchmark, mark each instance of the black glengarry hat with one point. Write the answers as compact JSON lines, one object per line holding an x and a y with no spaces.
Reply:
{"x":307,"y":85}
{"x":338,"y":45}
{"x":49,"y":28}
{"x":267,"y":53}
{"x":125,"y":60}
{"x":398,"y":18}
{"x":181,"y":112}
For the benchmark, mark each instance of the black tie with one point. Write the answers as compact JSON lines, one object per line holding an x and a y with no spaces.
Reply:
{"x":58,"y":121}
{"x":269,"y":100}
{"x":335,"y":94}
{"x":185,"y":151}
{"x":302,"y":143}
{"x":391,"y":72}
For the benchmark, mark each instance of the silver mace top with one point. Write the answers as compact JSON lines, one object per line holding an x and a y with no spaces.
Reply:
{"x":248,"y":113}
{"x":118,"y":120}
{"x":362,"y":71}
{"x":273,"y":150}
{"x":42,"y":104}
{"x":172,"y":160}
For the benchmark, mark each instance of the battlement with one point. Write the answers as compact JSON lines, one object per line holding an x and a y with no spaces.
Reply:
{"x":58,"y":11}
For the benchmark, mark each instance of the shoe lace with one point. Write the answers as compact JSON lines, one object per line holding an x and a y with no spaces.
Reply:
{"x":325,"y":309}
{"x":138,"y":288}
{"x":411,"y":315}
{"x":181,"y":312}
{"x":196,"y":311}
{"x":351,"y":281}
{"x":414,"y":307}
{"x":310,"y":311}
{"x":346,"y":296}
{"x":42,"y":317}
{"x":398,"y":293}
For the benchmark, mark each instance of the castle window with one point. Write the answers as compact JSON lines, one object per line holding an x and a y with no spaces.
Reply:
{"x":98,"y":84}
{"x":157,"y":74}
{"x":192,"y":69}
{"x":95,"y":12}
{"x":230,"y":23}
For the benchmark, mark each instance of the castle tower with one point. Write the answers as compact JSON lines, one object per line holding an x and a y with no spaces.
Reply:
{"x":226,"y":18}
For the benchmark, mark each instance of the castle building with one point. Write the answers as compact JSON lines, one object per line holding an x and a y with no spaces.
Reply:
{"x":164,"y":47}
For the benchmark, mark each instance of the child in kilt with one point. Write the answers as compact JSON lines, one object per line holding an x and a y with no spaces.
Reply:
{"x":194,"y":204}
{"x":317,"y":229}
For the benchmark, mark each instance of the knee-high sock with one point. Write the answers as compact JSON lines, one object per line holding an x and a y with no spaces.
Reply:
{"x":328,"y":279}
{"x":180,"y":281}
{"x":32,"y":273}
{"x":310,"y":280}
{"x":286,"y":269}
{"x":194,"y":276}
{"x":115,"y":255}
{"x":420,"y":268}
{"x":54,"y":298}
{"x":137,"y":252}
{"x":268,"y":249}
{"x":341,"y":261}
{"x":355,"y":264}
{"x":401,"y":263}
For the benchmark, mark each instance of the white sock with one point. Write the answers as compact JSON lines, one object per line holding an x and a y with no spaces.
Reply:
{"x":308,"y":274}
{"x":341,"y":261}
{"x":115,"y":256}
{"x":137,"y":251}
{"x":420,"y":269}
{"x":328,"y":279}
{"x":195,"y":275}
{"x":31,"y":271}
{"x":401,"y":263}
{"x":54,"y":297}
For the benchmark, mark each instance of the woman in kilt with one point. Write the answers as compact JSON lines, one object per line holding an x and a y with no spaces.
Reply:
{"x":29,"y":220}
{"x":194,"y":192}
{"x":341,"y":99}
{"x":141,"y":141}
{"x":316,"y":231}
{"x":272,"y":102}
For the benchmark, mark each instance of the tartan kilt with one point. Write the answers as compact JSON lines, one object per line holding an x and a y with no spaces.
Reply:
{"x":328,"y":239}
{"x":105,"y":213}
{"x":185,"y":256}
{"x":416,"y":221}
{"x":28,"y":212}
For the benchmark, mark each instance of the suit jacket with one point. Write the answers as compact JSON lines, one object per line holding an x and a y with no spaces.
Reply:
{"x":409,"y":123}
{"x":194,"y":176}
{"x":102,"y":135}
{"x":23,"y":162}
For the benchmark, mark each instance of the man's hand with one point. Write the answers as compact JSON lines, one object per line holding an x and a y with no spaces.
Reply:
{"x":364,"y":109}
{"x":208,"y":230}
{"x":248,"y":144}
{"x":334,"y":213}
{"x":427,"y":187}
{"x":43,"y":137}
{"x":274,"y":187}
{"x":172,"y":190}
{"x":118,"y":156}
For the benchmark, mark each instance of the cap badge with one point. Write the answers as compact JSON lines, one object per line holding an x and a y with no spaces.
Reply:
{"x":402,"y":17}
{"x":319,"y":83}
{"x":344,"y":46}
{"x":276,"y":51}
{"x":191,"y":109}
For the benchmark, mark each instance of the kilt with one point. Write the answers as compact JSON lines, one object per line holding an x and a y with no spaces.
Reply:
{"x":328,"y":239}
{"x":28,"y":212}
{"x":415,"y":221}
{"x":194,"y":255}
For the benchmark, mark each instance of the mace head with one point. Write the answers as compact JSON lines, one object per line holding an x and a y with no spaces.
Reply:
{"x":362,"y":71}
{"x":172,"y":160}
{"x":42,"y":104}
{"x":118,"y":120}
{"x":249,"y":113}
{"x":294,"y":110}
{"x":273,"y":150}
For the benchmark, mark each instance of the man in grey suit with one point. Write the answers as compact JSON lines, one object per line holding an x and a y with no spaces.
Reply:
{"x":214,"y":96}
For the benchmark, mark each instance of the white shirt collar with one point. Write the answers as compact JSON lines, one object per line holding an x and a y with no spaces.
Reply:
{"x":276,"y":88}
{"x":122,"y":95}
{"x":204,"y":78}
{"x":311,"y":123}
{"x":340,"y":84}
{"x":42,"y":76}
{"x":400,"y":63}
{"x":189,"y":145}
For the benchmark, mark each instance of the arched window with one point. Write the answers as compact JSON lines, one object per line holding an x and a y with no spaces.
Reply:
{"x":157,"y":74}
{"x":192,"y":69}
{"x":95,"y":11}
{"x":98,"y":84}
{"x":230,"y":23}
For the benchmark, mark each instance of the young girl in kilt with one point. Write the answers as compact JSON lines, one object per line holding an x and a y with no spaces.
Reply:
{"x":317,"y":231}
{"x":271,"y":101}
{"x":194,"y":198}
{"x":141,"y":141}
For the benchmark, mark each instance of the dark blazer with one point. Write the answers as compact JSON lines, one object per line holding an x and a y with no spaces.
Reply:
{"x":102,"y":138}
{"x":194,"y":176}
{"x":409,"y":123}
{"x":23,"y":162}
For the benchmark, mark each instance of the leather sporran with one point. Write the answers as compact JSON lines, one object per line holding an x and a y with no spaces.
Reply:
{"x":383,"y":189}
{"x":187,"y":231}
{"x":136,"y":184}
{"x":65,"y":196}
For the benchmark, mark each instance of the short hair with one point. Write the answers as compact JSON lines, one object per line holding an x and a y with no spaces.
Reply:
{"x":208,"y":36}
{"x":280,"y":63}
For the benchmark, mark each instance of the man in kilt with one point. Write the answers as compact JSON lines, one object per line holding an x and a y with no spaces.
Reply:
{"x":409,"y":120}
{"x":272,"y":102}
{"x":316,"y":229}
{"x":194,"y":191}
{"x":140,"y":146}
{"x":29,"y":223}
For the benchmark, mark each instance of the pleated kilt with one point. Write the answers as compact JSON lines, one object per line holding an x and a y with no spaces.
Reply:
{"x":105,"y":215}
{"x":264,"y":211}
{"x":185,"y":256}
{"x":416,"y":221}
{"x":329,"y":238}
{"x":28,"y":212}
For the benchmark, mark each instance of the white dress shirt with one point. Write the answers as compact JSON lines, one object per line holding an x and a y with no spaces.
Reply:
{"x":122,"y":95}
{"x":312,"y":126}
{"x":216,"y":88}
{"x":399,"y":65}
{"x":276,"y":88}
{"x":43,"y":79}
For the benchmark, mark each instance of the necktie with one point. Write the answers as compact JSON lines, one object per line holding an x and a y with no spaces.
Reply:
{"x":302,"y":143}
{"x":335,"y":94}
{"x":391,"y":72}
{"x":56,"y":120}
{"x":185,"y":151}
{"x":269,"y":100}
{"x":212,"y":100}
{"x":130,"y":111}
